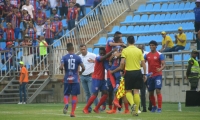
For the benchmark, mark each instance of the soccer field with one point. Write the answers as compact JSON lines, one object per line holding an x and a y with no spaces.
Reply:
{"x":54,"y":112}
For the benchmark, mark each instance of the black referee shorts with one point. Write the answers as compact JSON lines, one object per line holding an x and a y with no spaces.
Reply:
{"x":133,"y":79}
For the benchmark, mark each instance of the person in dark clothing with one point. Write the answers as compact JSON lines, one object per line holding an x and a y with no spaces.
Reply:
{"x":192,"y":73}
{"x":197,"y":22}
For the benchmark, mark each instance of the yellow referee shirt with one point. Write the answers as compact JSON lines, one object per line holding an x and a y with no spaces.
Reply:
{"x":133,"y":57}
{"x":166,"y":39}
{"x":182,"y":37}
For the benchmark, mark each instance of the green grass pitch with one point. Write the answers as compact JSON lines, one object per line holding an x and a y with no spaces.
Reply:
{"x":54,"y":112}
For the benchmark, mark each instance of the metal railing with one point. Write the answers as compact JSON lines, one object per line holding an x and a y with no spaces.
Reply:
{"x":90,"y":26}
{"x":176,"y":67}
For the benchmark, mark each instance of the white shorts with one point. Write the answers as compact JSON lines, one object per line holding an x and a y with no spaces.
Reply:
{"x":28,"y":60}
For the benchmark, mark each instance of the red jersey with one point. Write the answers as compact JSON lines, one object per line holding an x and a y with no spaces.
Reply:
{"x":40,"y":18}
{"x":108,"y":47}
{"x":31,"y":33}
{"x":16,"y":19}
{"x":99,"y":70}
{"x":72,"y":12}
{"x":48,"y":32}
{"x":154,"y":62}
{"x":8,"y":9}
{"x":10,"y":34}
{"x":58,"y":25}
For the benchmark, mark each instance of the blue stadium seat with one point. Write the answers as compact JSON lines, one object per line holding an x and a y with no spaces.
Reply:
{"x":188,"y":16}
{"x":172,"y":17}
{"x":164,"y":7}
{"x":48,"y":13}
{"x":88,"y":10}
{"x":156,"y":7}
{"x":186,"y":57}
{"x":151,"y":28}
{"x":147,"y":48}
{"x":181,"y":6}
{"x":56,"y":43}
{"x":115,"y":28}
{"x":3,"y":67}
{"x":151,"y":18}
{"x":129,"y":30}
{"x":177,"y":17}
{"x":187,"y":46}
{"x":89,"y":3}
{"x":4,"y":36}
{"x":20,"y":36}
{"x":187,"y":6}
{"x":159,"y":47}
{"x":64,"y":23}
{"x":58,"y":12}
{"x":189,"y":36}
{"x":19,"y":55}
{"x":107,"y":2}
{"x":4,"y":25}
{"x":140,"y":9}
{"x":101,"y":42}
{"x":177,"y":59}
{"x":170,"y":7}
{"x":89,"y":50}
{"x":155,"y":18}
{"x":139,"y":30}
{"x":96,"y":51}
{"x":166,"y":18}
{"x":21,"y":26}
{"x":3,"y":45}
{"x":143,"y":19}
{"x":124,"y":39}
{"x":192,"y":5}
{"x":149,"y":8}
{"x":128,"y":19}
{"x":157,"y":28}
{"x":161,"y":18}
{"x":175,"y":8}
{"x":146,"y":28}
{"x":136,"y":18}
{"x":172,"y":37}
{"x":122,"y":29}
{"x":83,"y":22}
{"x":142,"y":40}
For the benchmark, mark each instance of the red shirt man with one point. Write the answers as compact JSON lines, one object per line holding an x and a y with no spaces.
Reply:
{"x":40,"y":17}
{"x":16,"y":18}
{"x":10,"y":34}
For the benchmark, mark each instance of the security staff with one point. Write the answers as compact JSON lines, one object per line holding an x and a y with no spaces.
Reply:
{"x":193,"y":70}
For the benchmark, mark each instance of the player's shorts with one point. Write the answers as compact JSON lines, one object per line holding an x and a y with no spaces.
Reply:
{"x":133,"y":79}
{"x":109,"y":85}
{"x":71,"y":88}
{"x":106,"y":64}
{"x":98,"y":85}
{"x":154,"y":83}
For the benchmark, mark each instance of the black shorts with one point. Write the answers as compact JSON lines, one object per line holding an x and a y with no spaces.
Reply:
{"x":133,"y":79}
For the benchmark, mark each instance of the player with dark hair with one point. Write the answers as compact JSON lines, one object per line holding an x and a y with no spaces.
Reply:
{"x":71,"y":62}
{"x":156,"y":63}
{"x":98,"y":81}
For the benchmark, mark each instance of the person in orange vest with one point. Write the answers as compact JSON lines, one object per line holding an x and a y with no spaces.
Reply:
{"x":23,"y":81}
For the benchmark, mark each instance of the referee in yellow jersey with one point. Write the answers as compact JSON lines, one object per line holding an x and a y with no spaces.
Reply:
{"x":132,"y":58}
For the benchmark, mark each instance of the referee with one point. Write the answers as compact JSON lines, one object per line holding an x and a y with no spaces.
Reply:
{"x":131,"y":58}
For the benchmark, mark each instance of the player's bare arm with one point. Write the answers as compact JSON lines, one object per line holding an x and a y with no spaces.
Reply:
{"x":61,"y":67}
{"x":144,"y":68}
{"x":82,"y":68}
{"x":122,"y":63}
{"x":107,"y":55}
{"x":162,"y":66}
{"x":115,"y":44}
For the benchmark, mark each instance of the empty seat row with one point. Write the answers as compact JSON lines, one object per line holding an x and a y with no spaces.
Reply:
{"x":166,"y":7}
{"x":189,"y":26}
{"x":158,"y":1}
{"x":103,"y":40}
{"x":158,"y":18}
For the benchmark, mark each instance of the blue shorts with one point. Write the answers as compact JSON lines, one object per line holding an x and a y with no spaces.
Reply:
{"x":154,"y":83}
{"x":71,"y":88}
{"x":109,"y":85}
{"x":117,"y":79}
{"x":98,"y":85}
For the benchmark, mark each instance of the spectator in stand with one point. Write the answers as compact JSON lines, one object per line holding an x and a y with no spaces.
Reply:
{"x":167,"y":43}
{"x":26,"y":18}
{"x":22,"y":3}
{"x":23,"y":81}
{"x":16,"y":19}
{"x":8,"y":49}
{"x":54,"y":12}
{"x":31,"y":31}
{"x":15,"y":3}
{"x":52,"y":4}
{"x":1,"y":10}
{"x":197,"y":22}
{"x":43,"y":5}
{"x":72,"y":16}
{"x":43,"y":52}
{"x":40,"y":19}
{"x":78,"y":7}
{"x":1,"y":32}
{"x":29,"y":8}
{"x":96,"y":2}
{"x":27,"y":57}
{"x":82,"y":7}
{"x":180,"y":40}
{"x":49,"y":30}
{"x":7,"y":11}
{"x":33,"y":3}
{"x":58,"y":27}
{"x":63,"y":6}
{"x":10,"y":34}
